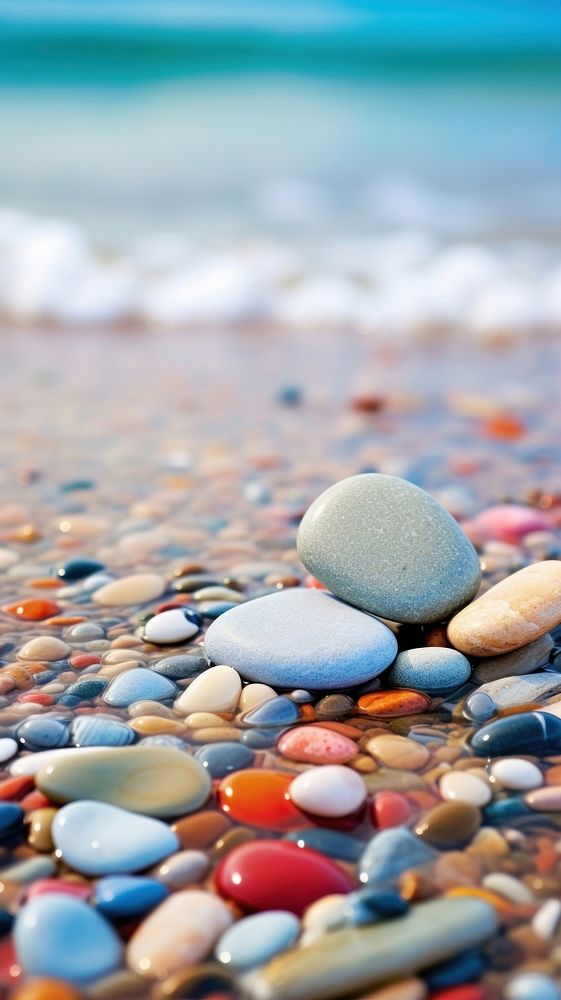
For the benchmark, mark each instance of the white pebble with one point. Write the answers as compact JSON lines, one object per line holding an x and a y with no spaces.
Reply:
{"x":460,"y":786}
{"x":330,"y":790}
{"x":169,"y":627}
{"x":8,"y":747}
{"x":254,"y":695}
{"x":516,"y":773}
{"x":546,"y":921}
{"x":215,"y":690}
{"x":509,"y":887}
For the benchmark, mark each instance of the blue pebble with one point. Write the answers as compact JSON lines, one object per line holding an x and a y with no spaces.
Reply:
{"x":256,"y":939}
{"x":85,"y":689}
{"x":221,"y":759}
{"x":138,"y":684}
{"x":334,"y":843}
{"x":181,"y":666}
{"x":431,"y":669}
{"x":535,"y":733}
{"x":11,"y":820}
{"x":279,"y":711}
{"x":532,"y":986}
{"x":64,"y":938}
{"x":163,"y":740}
{"x":95,"y":731}
{"x":124,"y":897}
{"x":465,"y":968}
{"x":42,"y":732}
{"x":95,"y":838}
{"x":507,"y":810}
{"x":391,"y":852}
{"x":77,"y":569}
{"x":368,"y":906}
{"x":214,"y":610}
{"x":290,"y":395}
{"x":74,"y":485}
{"x":260,"y":739}
{"x":479,"y":707}
{"x":6,"y":922}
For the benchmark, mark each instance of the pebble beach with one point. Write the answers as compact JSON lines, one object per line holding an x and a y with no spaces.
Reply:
{"x":280,"y":690}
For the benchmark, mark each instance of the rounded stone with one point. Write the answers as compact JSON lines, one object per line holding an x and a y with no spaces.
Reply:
{"x":46,"y":989}
{"x":301,"y":638}
{"x":179,"y":933}
{"x":127,"y":897}
{"x":511,"y":614}
{"x":182,"y":869}
{"x":386,"y":546}
{"x":59,"y":936}
{"x":78,"y":569}
{"x":169,"y":627}
{"x":260,"y":798}
{"x":393,"y":704}
{"x":40,"y":826}
{"x":138,"y":684}
{"x":256,"y":939}
{"x":532,"y":986}
{"x":330,"y":790}
{"x":516,"y":773}
{"x":316,"y":745}
{"x":8,"y":747}
{"x":391,"y":852}
{"x":536,"y":733}
{"x":278,"y":875}
{"x":221,"y":759}
{"x":449,"y":825}
{"x":155,"y":780}
{"x":138,"y":588}
{"x":43,"y":733}
{"x":215,"y":690}
{"x":398,"y":752}
{"x":99,"y":839}
{"x":44,"y":647}
{"x":96,"y":731}
{"x":201,"y":830}
{"x":461,"y":786}
{"x":434,"y":670}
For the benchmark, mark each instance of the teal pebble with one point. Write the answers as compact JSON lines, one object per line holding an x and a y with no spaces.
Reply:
{"x":256,"y":939}
{"x":431,"y":669}
{"x":64,"y":938}
{"x":138,"y":684}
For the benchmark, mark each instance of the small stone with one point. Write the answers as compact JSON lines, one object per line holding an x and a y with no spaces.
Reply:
{"x":171,"y":627}
{"x":449,"y":825}
{"x":256,"y":939}
{"x":516,"y":773}
{"x":182,"y":869}
{"x":334,"y":843}
{"x":135,"y":589}
{"x":45,"y":648}
{"x":391,"y":852}
{"x":330,"y":790}
{"x":511,"y":614}
{"x":536,"y":733}
{"x":278,"y":711}
{"x":127,"y":897}
{"x":215,"y":690}
{"x":201,"y":830}
{"x":40,"y":825}
{"x":182,"y":666}
{"x":8,"y":747}
{"x":78,"y":569}
{"x":524,"y":689}
{"x":180,"y":932}
{"x":390,"y":809}
{"x":11,"y":820}
{"x":461,"y":786}
{"x":316,"y":745}
{"x":532,"y":986}
{"x":545,"y":923}
{"x":254,"y":695}
{"x":520,"y":661}
{"x":259,"y":798}
{"x":432,"y":669}
{"x":398,"y":751}
{"x":157,"y":781}
{"x":42,"y":733}
{"x":479,"y":707}
{"x":62,"y":937}
{"x":221,"y":759}
{"x":99,"y":839}
{"x":386,"y":546}
{"x":508,"y":523}
{"x":138,"y":684}
{"x":301,"y":638}
{"x":46,"y":989}
{"x":546,"y":799}
{"x":393,"y":704}
{"x":509,"y":887}
{"x":96,"y":731}
{"x":31,"y":609}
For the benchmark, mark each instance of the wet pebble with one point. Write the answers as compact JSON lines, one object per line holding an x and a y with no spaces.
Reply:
{"x":215,"y":690}
{"x":127,"y":897}
{"x":516,"y":773}
{"x":461,"y":786}
{"x":136,"y":685}
{"x":171,"y":627}
{"x":254,"y":940}
{"x":222,"y":758}
{"x":330,"y":790}
{"x":433,"y":670}
{"x":316,"y":745}
{"x":449,"y":825}
{"x":138,"y":588}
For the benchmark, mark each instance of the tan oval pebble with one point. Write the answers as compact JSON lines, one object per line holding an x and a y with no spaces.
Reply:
{"x":201,"y":830}
{"x":398,"y":752}
{"x":155,"y":781}
{"x":218,"y":594}
{"x":126,"y":641}
{"x":153,"y":725}
{"x":205,"y":720}
{"x":255,"y":694}
{"x":232,"y":838}
{"x":509,"y":887}
{"x":114,"y":669}
{"x":134,"y":589}
{"x":488,"y":843}
{"x":461,"y":786}
{"x":215,"y":734}
{"x":150,"y":708}
{"x":182,"y":869}
{"x":122,"y":655}
{"x":44,"y":647}
{"x":215,"y":690}
{"x":40,"y":823}
{"x":181,"y":931}
{"x":324,"y":913}
{"x":511,"y":614}
{"x":449,"y":825}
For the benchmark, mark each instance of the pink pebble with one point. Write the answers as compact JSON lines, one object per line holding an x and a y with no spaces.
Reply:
{"x":44,"y":886}
{"x":316,"y":745}
{"x":506,"y":523}
{"x":545,"y":799}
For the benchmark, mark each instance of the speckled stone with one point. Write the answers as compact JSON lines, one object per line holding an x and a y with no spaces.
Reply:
{"x":301,"y":638}
{"x":181,"y":666}
{"x":434,"y":670}
{"x":386,"y":546}
{"x":138,"y":684}
{"x":511,"y":614}
{"x":43,"y":733}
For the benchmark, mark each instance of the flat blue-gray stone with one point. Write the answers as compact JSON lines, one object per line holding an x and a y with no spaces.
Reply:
{"x":256,"y":939}
{"x":389,"y":548}
{"x":138,"y":684}
{"x":301,"y":638}
{"x":391,"y":852}
{"x":64,"y":938}
{"x":432,"y":669}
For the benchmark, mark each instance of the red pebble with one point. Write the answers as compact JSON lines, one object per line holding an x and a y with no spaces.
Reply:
{"x":278,"y":875}
{"x":389,"y":809}
{"x":44,"y":886}
{"x":504,"y":427}
{"x":310,"y":581}
{"x":471,"y":991}
{"x":81,"y":660}
{"x":32,"y":609}
{"x":34,"y":800}
{"x":13,"y":789}
{"x":36,"y":697}
{"x":10,"y":969}
{"x":260,"y":798}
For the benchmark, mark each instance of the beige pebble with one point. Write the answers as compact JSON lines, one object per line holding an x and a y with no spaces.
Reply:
{"x":509,"y":887}
{"x":204,"y":720}
{"x":511,"y":614}
{"x":126,"y":641}
{"x":255,"y":694}
{"x":488,"y":843}
{"x":324,"y":913}
{"x":219,"y":594}
{"x":154,"y":725}
{"x":179,"y":932}
{"x":461,"y":786}
{"x":215,"y":690}
{"x":44,"y":647}
{"x":215,"y":735}
{"x":134,"y":589}
{"x":398,"y":751}
{"x":122,"y":655}
{"x":150,"y":708}
{"x":114,"y":669}
{"x":182,"y":869}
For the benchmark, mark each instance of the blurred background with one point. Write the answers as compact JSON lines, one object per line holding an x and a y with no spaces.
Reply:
{"x":391,"y":168}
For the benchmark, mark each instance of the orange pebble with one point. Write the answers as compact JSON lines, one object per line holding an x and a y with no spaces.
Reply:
{"x":46,"y":989}
{"x":34,"y":800}
{"x":36,"y":697}
{"x":307,"y":713}
{"x":31,"y":609}
{"x":393,"y":703}
{"x":352,"y":732}
{"x":504,"y":427}
{"x":390,"y":809}
{"x":45,"y":583}
{"x":14,"y":788}
{"x":65,"y":620}
{"x":553,"y":775}
{"x":81,"y":660}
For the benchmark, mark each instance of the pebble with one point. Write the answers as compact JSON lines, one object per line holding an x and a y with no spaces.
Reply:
{"x":461,"y":786}
{"x":449,"y":825}
{"x":182,"y":869}
{"x":77,"y":569}
{"x":46,"y":989}
{"x":31,"y":764}
{"x":11,"y":820}
{"x":390,"y":809}
{"x":259,"y":798}
{"x":330,"y":790}
{"x":138,"y":588}
{"x":351,"y":960}
{"x":546,"y":921}
{"x":334,"y":843}
{"x":391,"y":852}
{"x":43,"y":733}
{"x":62,"y":937}
{"x":386,"y":546}
{"x":524,"y":689}
{"x":536,"y":733}
{"x":434,"y":670}
{"x":509,"y":887}
{"x":181,"y":666}
{"x":96,"y":731}
{"x":127,"y":897}
{"x":278,"y":711}
{"x":44,"y":647}
{"x":316,"y":745}
{"x":393,"y":704}
{"x":254,"y":695}
{"x":516,"y":773}
{"x":99,"y":839}
{"x":254,"y":940}
{"x":155,"y":780}
{"x":8,"y":747}
{"x":171,"y":627}
{"x":508,"y":523}
{"x":301,"y":638}
{"x":511,"y":614}
{"x":215,"y":690}
{"x":532,"y":986}
{"x":180,"y":932}
{"x":479,"y":707}
{"x":138,"y":684}
{"x":31,"y":609}
{"x":40,"y":829}
{"x":398,"y":751}
{"x":520,"y":661}
{"x":546,"y":799}
{"x":276,"y":874}
{"x":221,"y":759}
